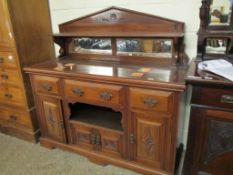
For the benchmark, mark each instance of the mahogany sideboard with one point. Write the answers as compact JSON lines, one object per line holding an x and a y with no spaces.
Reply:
{"x":25,"y":39}
{"x":113,"y":94}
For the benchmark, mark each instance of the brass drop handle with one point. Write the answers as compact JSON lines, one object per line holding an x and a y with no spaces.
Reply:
{"x":79,"y":92}
{"x":150,"y":102}
{"x":4,"y":76}
{"x":227,"y":99}
{"x":47,"y":87}
{"x":106,"y":96}
{"x":8,"y":95}
{"x":1,"y":60}
{"x":13,"y":117}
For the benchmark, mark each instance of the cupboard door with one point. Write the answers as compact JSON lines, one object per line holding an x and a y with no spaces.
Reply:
{"x":51,"y":119}
{"x":149,"y":139}
{"x":210,"y":142}
{"x":81,"y":135}
{"x":5,"y":26}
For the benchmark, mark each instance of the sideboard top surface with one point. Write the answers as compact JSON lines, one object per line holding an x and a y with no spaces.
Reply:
{"x":159,"y":76}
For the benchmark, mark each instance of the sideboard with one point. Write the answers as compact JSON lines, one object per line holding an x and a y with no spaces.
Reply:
{"x":113,"y":94}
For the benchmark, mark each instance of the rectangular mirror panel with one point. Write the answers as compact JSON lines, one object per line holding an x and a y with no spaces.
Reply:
{"x":145,"y":47}
{"x":216,"y":45}
{"x":91,"y":45}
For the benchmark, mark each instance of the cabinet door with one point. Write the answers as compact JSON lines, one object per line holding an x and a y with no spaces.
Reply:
{"x":5,"y":26}
{"x":52,"y":125}
{"x":149,"y":139}
{"x":210,"y":143}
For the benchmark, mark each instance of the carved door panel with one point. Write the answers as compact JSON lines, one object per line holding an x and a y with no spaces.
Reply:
{"x":51,"y":119}
{"x":217,"y":152}
{"x":111,"y":142}
{"x":5,"y":26}
{"x":210,"y":143}
{"x":149,"y":139}
{"x":102,"y":140}
{"x":81,"y":135}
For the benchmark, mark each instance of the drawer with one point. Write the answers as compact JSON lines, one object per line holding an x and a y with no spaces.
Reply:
{"x":105,"y":141}
{"x":95,"y":92}
{"x":155,"y":100}
{"x":48,"y":85}
{"x":15,"y":117}
{"x":12,"y":95}
{"x":9,"y":76}
{"x":217,"y":97}
{"x":8,"y":60}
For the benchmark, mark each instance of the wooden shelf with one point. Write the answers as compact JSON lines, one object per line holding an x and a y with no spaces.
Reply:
{"x":95,"y":115}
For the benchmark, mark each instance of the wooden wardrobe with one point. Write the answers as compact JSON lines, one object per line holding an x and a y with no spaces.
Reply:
{"x":25,"y":32}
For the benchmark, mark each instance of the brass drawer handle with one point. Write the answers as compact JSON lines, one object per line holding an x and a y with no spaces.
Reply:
{"x":7,"y":95}
{"x":47,"y":87}
{"x":13,"y":117}
{"x":227,"y":99}
{"x":79,"y":92}
{"x":150,"y":102}
{"x":1,"y":60}
{"x":106,"y":96}
{"x":4,"y":77}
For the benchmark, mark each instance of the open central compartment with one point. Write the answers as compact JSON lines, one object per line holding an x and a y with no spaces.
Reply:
{"x":96,"y":116}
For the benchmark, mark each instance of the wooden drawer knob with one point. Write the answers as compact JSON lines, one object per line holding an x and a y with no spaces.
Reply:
{"x":47,"y":87}
{"x":7,"y":95}
{"x":1,"y":60}
{"x":4,"y":77}
{"x":150,"y":102}
{"x":227,"y":99}
{"x":79,"y":92}
{"x":106,"y":96}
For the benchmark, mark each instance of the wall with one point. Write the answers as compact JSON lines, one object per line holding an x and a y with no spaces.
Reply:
{"x":186,"y":11}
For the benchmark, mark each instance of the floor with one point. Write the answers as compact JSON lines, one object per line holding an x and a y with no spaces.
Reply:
{"x":18,"y":157}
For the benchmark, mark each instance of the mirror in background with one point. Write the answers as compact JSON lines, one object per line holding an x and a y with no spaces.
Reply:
{"x":216,"y":45}
{"x":91,"y":45}
{"x":145,"y":47}
{"x":220,"y":12}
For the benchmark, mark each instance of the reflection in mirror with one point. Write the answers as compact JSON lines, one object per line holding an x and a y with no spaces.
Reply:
{"x":91,"y":45}
{"x":145,"y":47}
{"x":216,"y":46}
{"x":220,"y":12}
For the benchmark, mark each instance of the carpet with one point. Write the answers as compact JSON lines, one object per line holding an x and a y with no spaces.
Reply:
{"x":18,"y":157}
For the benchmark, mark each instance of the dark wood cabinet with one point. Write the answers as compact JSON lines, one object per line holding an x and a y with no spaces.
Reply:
{"x":118,"y":105}
{"x":210,"y":137}
{"x":210,"y":148}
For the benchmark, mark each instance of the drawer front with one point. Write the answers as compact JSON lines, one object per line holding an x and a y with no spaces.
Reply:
{"x":12,"y":95}
{"x":217,"y":97}
{"x":15,"y":117}
{"x":94,"y":92}
{"x":155,"y":100}
{"x":8,"y":60}
{"x":48,"y":85}
{"x":9,"y":76}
